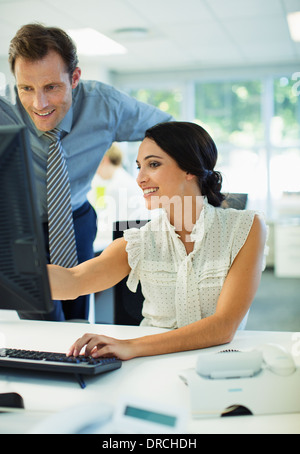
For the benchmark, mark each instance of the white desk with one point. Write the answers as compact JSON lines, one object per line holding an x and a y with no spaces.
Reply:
{"x":154,"y":377}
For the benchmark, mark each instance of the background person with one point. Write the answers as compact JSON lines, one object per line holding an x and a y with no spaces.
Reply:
{"x":115,"y":195}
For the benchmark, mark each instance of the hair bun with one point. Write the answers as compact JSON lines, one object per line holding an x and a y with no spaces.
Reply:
{"x":211,"y":187}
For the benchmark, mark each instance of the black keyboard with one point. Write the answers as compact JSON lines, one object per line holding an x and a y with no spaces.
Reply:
{"x":57,"y":362}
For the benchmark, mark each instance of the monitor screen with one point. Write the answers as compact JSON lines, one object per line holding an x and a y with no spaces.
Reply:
{"x":24,"y":282}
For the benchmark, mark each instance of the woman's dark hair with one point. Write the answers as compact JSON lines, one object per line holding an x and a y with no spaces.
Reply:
{"x":34,"y":41}
{"x":194,"y":151}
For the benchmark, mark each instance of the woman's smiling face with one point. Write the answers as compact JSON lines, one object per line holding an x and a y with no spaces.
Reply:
{"x":160,"y":177}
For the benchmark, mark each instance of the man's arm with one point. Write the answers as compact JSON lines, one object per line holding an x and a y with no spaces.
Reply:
{"x":135,"y":117}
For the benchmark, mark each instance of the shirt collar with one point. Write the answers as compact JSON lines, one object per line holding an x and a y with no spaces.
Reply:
{"x":66,"y":122}
{"x":202,"y":225}
{"x":204,"y":222}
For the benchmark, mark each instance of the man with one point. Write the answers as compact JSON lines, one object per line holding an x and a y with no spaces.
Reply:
{"x":88,"y":115}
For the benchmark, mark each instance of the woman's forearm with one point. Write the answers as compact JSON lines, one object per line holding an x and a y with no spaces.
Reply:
{"x":204,"y":333}
{"x":63,"y":283}
{"x":201,"y":334}
{"x":92,"y":276}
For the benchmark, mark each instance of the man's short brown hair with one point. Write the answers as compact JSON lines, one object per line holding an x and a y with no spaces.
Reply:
{"x":34,"y":41}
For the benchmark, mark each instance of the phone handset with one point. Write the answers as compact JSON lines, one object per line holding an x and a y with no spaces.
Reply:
{"x":239,"y":364}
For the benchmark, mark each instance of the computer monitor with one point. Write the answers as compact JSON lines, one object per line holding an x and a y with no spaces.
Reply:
{"x":24,"y":282}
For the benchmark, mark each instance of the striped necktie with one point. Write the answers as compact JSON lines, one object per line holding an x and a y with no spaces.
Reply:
{"x":62,"y":244}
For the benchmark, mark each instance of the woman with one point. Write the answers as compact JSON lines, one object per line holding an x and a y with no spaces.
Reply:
{"x":199,"y":264}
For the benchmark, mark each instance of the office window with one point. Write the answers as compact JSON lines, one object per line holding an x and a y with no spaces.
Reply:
{"x":285,"y":129}
{"x":166,"y":100}
{"x":231,"y":112}
{"x":256,"y":126}
{"x":284,"y":162}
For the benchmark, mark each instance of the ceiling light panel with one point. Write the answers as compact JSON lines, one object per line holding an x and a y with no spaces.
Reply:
{"x":91,"y":42}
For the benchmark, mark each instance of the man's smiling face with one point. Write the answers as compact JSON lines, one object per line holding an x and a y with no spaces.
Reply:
{"x":45,"y":89}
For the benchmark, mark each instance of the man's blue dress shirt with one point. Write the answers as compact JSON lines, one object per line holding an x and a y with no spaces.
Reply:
{"x":99,"y":115}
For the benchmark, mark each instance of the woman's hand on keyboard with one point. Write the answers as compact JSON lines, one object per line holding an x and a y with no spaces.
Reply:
{"x":102,"y":346}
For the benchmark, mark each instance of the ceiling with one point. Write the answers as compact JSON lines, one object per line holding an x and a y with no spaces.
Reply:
{"x":182,"y":34}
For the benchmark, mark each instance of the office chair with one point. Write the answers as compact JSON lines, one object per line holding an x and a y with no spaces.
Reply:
{"x":127,"y":305}
{"x":235,"y":200}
